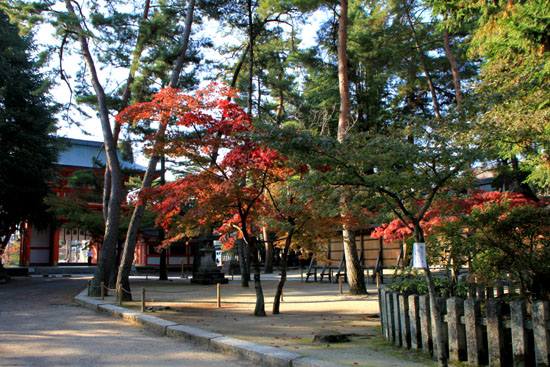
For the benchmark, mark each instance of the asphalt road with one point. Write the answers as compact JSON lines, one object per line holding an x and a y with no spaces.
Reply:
{"x":41,"y":326}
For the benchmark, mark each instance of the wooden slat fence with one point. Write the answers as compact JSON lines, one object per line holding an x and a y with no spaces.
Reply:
{"x":481,"y":332}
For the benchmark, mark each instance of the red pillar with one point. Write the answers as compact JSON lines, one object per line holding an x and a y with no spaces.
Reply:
{"x":55,"y":247}
{"x":25,"y":245}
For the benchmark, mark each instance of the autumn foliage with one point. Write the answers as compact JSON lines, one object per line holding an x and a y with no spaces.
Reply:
{"x":228,"y":171}
{"x":450,"y":211}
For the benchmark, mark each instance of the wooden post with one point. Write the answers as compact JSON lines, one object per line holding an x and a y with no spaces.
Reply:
{"x":474,"y":336}
{"x":340,"y":284}
{"x":495,"y":333}
{"x":389,"y":317}
{"x":425,"y":323}
{"x":396,"y":323}
{"x":404,"y":321}
{"x":540,"y":332}
{"x":414,"y":319}
{"x":518,"y":314}
{"x":119,"y":295}
{"x":282,"y":296}
{"x":441,"y":308}
{"x":102,"y":291}
{"x":382,"y":306}
{"x":378,"y":279}
{"x":142,"y":299}
{"x":219,"y":294}
{"x":457,"y":332}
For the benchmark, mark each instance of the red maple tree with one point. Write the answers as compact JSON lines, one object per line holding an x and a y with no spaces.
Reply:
{"x":227,"y":172}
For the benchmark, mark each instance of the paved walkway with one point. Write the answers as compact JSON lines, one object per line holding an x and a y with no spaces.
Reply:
{"x":308,"y":309}
{"x":40,"y":325}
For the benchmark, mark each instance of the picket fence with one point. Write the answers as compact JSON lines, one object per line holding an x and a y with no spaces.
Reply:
{"x":479,"y":331}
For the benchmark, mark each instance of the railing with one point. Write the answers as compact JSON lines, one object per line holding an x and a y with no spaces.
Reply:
{"x":481,"y":332}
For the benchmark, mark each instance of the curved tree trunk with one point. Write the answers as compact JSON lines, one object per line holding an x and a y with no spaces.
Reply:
{"x":243,"y":263}
{"x":454,"y":68}
{"x":107,"y":254}
{"x":284,"y":266}
{"x":139,"y":210}
{"x":136,"y":55}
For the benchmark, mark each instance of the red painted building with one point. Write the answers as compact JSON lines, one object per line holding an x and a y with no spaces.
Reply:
{"x":64,"y":245}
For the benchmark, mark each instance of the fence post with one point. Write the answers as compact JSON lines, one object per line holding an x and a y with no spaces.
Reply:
{"x":441,"y":307}
{"x":396,"y":326}
{"x":102,"y":285}
{"x":518,"y":313}
{"x":474,"y":335}
{"x":119,"y":295}
{"x":414,"y":322}
{"x":382,"y":306}
{"x":142,"y":299}
{"x":404,"y":320}
{"x":425,"y":323}
{"x":495,"y":332}
{"x":389,"y":318}
{"x":540,"y":332}
{"x":457,"y":332}
{"x":219,"y":294}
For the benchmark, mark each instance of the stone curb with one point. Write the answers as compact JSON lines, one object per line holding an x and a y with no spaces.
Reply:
{"x":258,"y":353}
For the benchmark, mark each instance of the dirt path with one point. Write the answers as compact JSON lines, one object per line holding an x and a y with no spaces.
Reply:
{"x":308,"y":309}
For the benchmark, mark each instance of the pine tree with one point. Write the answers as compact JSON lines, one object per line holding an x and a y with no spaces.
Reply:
{"x":26,"y":121}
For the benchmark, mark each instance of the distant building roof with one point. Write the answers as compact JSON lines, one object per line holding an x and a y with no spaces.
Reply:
{"x":87,"y":154}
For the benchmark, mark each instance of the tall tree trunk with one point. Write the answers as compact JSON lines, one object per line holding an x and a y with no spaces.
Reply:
{"x":243,"y":263}
{"x":280,"y":98}
{"x":454,"y":69}
{"x":268,"y":266}
{"x":259,"y":309}
{"x":356,"y":278}
{"x":284,"y":267}
{"x":163,"y":270}
{"x":251,"y":56}
{"x":136,"y":56}
{"x":420,"y":52}
{"x":139,"y":210}
{"x":106,"y":258}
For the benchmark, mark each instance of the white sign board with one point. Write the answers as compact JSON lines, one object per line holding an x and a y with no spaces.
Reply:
{"x":419,"y":255}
